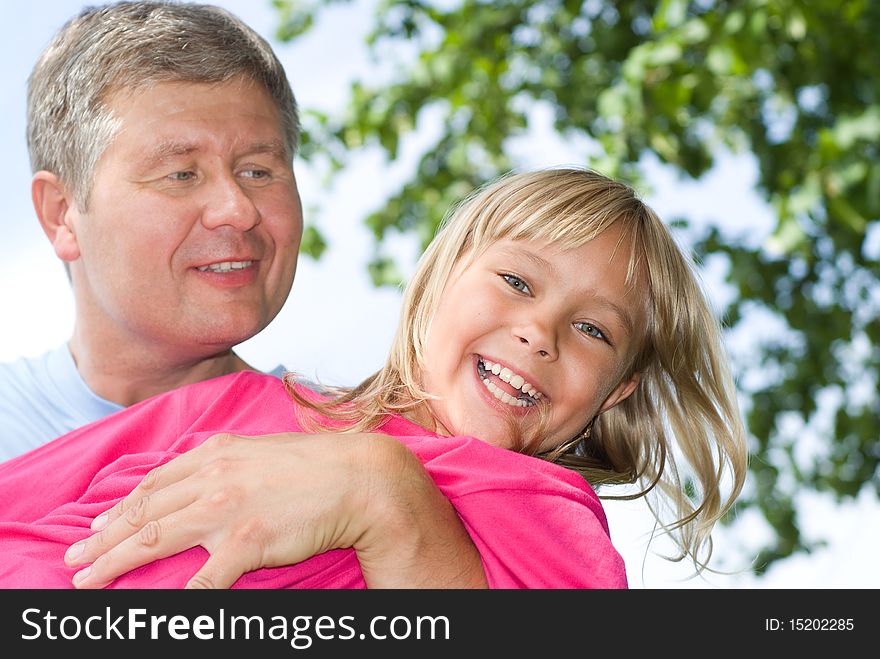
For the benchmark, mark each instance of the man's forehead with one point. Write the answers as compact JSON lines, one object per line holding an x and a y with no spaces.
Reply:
{"x":172,"y":119}
{"x":121,"y":95}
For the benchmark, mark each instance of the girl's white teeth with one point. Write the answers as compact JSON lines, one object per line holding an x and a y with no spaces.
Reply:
{"x":503,"y":396}
{"x":225,"y":266}
{"x":514,"y":380}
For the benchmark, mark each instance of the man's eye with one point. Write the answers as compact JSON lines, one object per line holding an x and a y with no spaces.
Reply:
{"x":182,"y":176}
{"x":517,"y":283}
{"x":256,"y":174}
{"x":591,"y":330}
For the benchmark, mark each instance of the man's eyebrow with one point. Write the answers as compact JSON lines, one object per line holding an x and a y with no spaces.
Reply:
{"x":173,"y":149}
{"x":166,"y":150}
{"x":273,"y":147}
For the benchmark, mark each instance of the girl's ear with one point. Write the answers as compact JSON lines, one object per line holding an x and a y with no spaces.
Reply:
{"x":55,"y":209}
{"x":620,"y":393}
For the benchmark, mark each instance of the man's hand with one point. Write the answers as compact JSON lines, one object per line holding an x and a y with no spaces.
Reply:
{"x":279,"y":500}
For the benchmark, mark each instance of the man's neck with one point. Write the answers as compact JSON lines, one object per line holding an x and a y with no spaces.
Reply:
{"x":128,"y":378}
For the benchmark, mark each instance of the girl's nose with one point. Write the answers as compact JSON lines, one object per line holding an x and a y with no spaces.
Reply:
{"x":540,"y":338}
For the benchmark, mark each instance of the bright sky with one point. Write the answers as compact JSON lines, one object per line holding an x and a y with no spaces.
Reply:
{"x":344,"y":340}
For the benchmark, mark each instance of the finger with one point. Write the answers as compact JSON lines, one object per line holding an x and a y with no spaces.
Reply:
{"x":160,"y":477}
{"x":156,"y":539}
{"x":147,"y":485}
{"x":162,"y":504}
{"x":173,"y":471}
{"x":222,"y":569}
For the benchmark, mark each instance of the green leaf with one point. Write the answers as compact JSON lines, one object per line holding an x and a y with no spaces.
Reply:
{"x":313,"y":243}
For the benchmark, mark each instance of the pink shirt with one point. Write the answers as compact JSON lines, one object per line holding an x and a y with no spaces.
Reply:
{"x":535,"y":524}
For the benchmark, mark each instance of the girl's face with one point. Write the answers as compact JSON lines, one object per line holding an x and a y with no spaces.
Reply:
{"x":527,"y":322}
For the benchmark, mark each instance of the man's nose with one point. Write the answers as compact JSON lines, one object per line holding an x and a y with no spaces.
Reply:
{"x":227,"y":203}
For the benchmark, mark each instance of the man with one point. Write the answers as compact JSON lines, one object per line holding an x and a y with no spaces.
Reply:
{"x":169,"y":269}
{"x":162,"y":136}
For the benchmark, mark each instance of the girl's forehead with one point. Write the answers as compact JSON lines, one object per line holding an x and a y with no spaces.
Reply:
{"x":612,"y":243}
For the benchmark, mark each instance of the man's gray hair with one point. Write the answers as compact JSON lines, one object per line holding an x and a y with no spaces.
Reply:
{"x":129,"y":46}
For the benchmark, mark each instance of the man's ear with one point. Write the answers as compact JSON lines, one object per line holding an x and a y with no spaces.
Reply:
{"x":621,"y":392}
{"x":55,"y":208}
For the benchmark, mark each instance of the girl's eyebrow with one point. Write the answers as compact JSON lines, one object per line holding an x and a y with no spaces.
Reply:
{"x":537,"y":260}
{"x":618,"y":310}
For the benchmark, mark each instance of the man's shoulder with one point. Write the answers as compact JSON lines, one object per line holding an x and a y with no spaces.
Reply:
{"x":30,"y":413}
{"x":279,"y":371}
{"x":24,"y":379}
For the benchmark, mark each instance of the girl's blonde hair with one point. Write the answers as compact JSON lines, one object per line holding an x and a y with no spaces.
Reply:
{"x":684,"y":413}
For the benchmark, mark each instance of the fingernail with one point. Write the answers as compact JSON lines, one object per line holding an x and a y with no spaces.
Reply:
{"x":75,"y":551}
{"x":80,"y":576}
{"x":100,"y":522}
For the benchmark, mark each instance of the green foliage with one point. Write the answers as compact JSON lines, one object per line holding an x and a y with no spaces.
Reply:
{"x":795,"y":84}
{"x":313,"y":243}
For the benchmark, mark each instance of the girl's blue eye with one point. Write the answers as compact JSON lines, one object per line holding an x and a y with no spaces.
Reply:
{"x":517,"y":283}
{"x":591,"y":330}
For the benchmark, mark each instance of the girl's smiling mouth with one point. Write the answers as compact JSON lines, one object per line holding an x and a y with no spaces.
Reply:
{"x":506,"y":385}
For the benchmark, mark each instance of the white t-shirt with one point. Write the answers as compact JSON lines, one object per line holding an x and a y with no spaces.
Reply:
{"x":44,"y":397}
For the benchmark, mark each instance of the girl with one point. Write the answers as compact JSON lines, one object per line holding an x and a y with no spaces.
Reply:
{"x":555,"y":314}
{"x":552,"y":315}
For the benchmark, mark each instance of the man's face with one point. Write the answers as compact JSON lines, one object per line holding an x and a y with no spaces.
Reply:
{"x":192,"y":232}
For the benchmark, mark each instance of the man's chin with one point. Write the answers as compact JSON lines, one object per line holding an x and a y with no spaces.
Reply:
{"x":224,"y":338}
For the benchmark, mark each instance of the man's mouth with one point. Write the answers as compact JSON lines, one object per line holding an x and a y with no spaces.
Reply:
{"x":225,"y":266}
{"x":525,"y":394}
